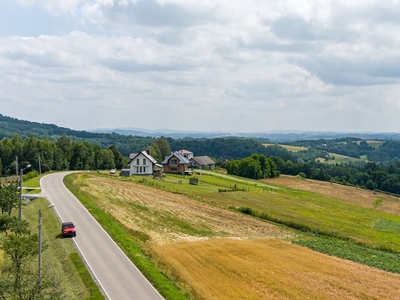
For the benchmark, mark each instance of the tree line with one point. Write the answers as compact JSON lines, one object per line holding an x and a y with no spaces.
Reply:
{"x":66,"y":154}
{"x":63,"y":154}
{"x":244,"y":157}
{"x":369,"y":175}
{"x":256,"y":166}
{"x":387,"y":152}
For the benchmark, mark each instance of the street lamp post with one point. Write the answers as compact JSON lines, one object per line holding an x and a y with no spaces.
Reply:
{"x":40,"y":242}
{"x":21,"y":178}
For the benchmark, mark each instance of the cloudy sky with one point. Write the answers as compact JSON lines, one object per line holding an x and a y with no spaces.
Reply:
{"x":231,"y":66}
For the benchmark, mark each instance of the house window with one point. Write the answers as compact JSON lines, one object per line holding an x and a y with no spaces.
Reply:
{"x":144,"y":161}
{"x":137,"y":169}
{"x":144,"y":169}
{"x":140,"y":169}
{"x":138,"y":161}
{"x":173,"y":161}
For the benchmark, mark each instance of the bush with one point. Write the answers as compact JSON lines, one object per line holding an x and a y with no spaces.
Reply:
{"x":31,"y":174}
{"x":246,"y":210}
{"x":302,"y":175}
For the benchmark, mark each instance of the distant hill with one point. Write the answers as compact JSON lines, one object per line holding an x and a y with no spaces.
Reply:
{"x":283,"y":136}
{"x":10,"y":126}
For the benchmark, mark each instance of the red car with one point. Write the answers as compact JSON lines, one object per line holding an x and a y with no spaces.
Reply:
{"x":68,"y":229}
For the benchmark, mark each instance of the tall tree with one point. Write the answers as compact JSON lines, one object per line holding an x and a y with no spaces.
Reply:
{"x":163,"y":145}
{"x":118,"y":159}
{"x":9,"y":197}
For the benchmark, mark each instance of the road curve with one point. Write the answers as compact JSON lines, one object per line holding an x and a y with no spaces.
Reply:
{"x":116,"y":275}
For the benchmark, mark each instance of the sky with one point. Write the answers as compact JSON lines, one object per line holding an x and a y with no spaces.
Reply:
{"x":205,"y":66}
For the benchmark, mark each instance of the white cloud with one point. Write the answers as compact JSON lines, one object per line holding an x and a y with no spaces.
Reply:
{"x":271,"y":65}
{"x":54,"y":7}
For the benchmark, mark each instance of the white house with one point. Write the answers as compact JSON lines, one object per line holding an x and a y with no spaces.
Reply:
{"x":142,"y":163}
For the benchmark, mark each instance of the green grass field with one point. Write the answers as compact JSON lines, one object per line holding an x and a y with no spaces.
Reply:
{"x":287,"y":147}
{"x":339,"y":159}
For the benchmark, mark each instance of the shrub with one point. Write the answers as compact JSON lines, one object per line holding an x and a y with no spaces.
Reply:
{"x":31,"y":174}
{"x":246,"y":210}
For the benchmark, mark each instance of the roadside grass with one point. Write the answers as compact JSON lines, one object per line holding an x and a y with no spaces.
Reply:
{"x":1,"y":259}
{"x":61,"y":261}
{"x":31,"y":190}
{"x":83,"y":272}
{"x":33,"y":182}
{"x":125,"y":238}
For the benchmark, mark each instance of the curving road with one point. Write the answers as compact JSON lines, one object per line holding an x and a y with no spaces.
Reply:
{"x":117,"y":277}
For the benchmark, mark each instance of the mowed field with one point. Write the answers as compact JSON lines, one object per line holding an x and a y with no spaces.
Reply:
{"x":216,"y":253}
{"x":287,"y":147}
{"x":360,"y":197}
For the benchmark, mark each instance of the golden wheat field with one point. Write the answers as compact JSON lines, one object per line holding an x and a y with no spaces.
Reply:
{"x":213,"y":253}
{"x":272,"y":269}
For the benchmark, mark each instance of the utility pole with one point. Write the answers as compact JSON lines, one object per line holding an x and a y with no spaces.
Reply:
{"x":40,"y":168}
{"x":21,"y":178}
{"x":16,"y":165}
{"x":40,"y":243}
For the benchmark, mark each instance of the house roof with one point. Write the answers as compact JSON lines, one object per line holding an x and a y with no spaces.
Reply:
{"x":132,"y":156}
{"x":182,"y":160}
{"x":183,"y":151}
{"x":203,"y":160}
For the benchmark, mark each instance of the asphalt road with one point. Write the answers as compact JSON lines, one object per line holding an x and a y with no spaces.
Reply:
{"x":116,"y":275}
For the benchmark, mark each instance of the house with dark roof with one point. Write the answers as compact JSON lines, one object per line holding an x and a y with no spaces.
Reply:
{"x":142,"y":163}
{"x":176,"y":163}
{"x":201,"y":162}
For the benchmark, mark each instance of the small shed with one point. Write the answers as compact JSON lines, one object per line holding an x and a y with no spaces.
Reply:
{"x":125,"y":172}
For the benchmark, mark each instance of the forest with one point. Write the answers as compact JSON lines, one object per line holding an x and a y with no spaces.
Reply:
{"x":49,"y":147}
